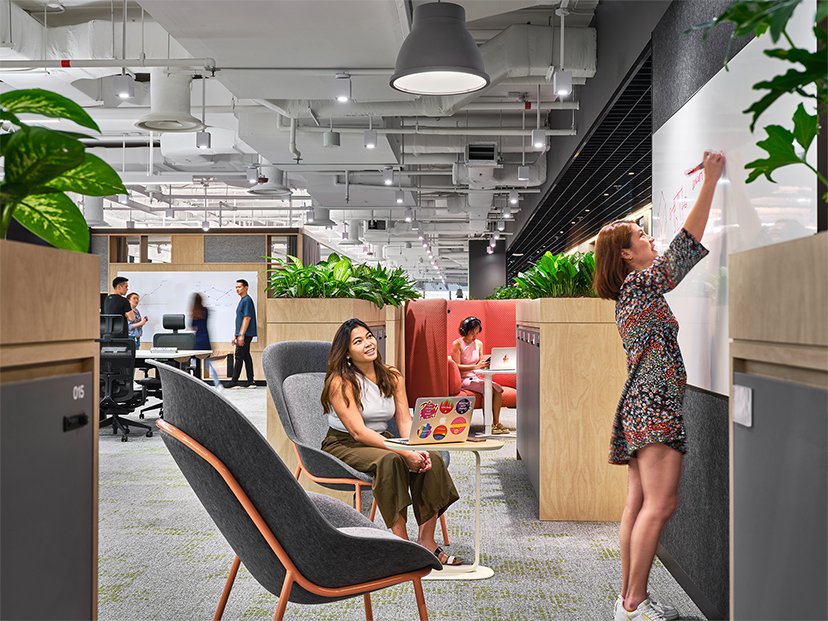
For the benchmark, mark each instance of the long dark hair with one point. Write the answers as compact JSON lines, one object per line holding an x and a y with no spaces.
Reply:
{"x":199,"y":310}
{"x":340,"y":367}
{"x":610,"y":268}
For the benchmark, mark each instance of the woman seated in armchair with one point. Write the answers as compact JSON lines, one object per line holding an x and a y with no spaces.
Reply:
{"x":360,"y":396}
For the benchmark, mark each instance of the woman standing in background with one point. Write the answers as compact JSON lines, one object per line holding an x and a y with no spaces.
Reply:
{"x":648,"y":433}
{"x":136,"y":327}
{"x":199,"y":315}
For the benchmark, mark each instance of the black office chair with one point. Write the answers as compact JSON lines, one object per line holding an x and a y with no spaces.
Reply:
{"x":117,"y":374}
{"x":179,"y":340}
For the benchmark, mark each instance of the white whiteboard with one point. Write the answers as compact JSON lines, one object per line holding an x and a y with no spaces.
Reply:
{"x":742,"y":216}
{"x":171,"y":293}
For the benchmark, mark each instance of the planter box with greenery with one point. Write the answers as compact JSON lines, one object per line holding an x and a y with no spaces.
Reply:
{"x":571,"y":369}
{"x":311,"y":302}
{"x":38,"y":338}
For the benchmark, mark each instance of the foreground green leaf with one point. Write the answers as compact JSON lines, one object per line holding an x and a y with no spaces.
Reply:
{"x":46,"y":103}
{"x":36,"y":155}
{"x":92,"y":178}
{"x":780,"y":147}
{"x":55,"y":218}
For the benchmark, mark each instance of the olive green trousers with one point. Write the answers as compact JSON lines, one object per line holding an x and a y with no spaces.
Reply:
{"x":394,"y":486}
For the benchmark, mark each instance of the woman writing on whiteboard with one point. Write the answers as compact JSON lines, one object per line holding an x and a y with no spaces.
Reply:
{"x":648,"y":433}
{"x":360,"y":396}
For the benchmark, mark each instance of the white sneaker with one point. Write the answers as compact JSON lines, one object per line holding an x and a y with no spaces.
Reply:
{"x":644,"y":612}
{"x":668,"y":612}
{"x":252,"y":386}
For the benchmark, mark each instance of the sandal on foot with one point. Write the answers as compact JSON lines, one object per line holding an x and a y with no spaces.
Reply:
{"x":499,"y":429}
{"x":446,"y":559}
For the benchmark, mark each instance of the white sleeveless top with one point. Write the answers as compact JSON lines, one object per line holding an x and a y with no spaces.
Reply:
{"x":376,"y":410}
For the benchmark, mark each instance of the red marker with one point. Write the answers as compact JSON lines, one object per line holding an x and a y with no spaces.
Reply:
{"x":695,"y":169}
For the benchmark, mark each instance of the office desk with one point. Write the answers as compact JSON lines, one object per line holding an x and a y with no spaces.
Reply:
{"x":182,"y":355}
{"x":488,"y":417}
{"x":475,"y":571}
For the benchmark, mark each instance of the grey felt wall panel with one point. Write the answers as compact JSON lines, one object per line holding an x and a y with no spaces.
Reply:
{"x":697,"y":535}
{"x":235,"y":248}
{"x":683,"y":63}
{"x":99,"y":245}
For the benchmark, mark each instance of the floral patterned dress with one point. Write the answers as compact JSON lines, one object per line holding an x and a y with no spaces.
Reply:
{"x":650,"y":407}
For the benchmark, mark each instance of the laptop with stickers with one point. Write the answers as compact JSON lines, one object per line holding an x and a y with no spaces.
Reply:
{"x":440,"y":420}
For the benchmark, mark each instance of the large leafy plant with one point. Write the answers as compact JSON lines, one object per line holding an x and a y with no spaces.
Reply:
{"x":553,"y":276}
{"x":784,"y":146}
{"x":338,"y":277}
{"x":41,"y":164}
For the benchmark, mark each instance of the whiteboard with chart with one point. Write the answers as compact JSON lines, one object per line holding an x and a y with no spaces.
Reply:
{"x":163,"y":293}
{"x":743,"y":216}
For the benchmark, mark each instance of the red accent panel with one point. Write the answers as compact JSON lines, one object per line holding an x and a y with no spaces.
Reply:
{"x":64,"y":63}
{"x":426,"y":367}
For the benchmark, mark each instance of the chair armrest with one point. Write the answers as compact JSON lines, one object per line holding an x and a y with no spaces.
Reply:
{"x":338,"y":514}
{"x":322,"y":464}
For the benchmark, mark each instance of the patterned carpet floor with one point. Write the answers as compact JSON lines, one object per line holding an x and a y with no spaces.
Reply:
{"x":161,"y":557}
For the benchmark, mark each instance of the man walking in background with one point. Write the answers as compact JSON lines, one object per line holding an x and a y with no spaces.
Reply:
{"x":245,"y":331}
{"x":116,"y":304}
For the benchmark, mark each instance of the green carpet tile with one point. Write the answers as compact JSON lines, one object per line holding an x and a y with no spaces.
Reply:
{"x":161,"y":557}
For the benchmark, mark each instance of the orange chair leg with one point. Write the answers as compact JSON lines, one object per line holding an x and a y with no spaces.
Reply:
{"x":283,"y":597}
{"x":369,"y":613}
{"x":374,"y":510}
{"x":358,"y":498}
{"x":225,"y":594}
{"x":421,"y":605}
{"x":445,"y":530}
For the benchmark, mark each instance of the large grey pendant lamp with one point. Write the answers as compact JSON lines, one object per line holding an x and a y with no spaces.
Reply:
{"x":439,"y":56}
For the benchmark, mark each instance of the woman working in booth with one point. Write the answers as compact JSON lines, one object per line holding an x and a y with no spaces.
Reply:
{"x":467,"y":353}
{"x":648,"y":433}
{"x":360,"y":396}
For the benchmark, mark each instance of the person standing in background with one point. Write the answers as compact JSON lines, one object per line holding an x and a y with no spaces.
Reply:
{"x":116,"y":304}
{"x":246,"y":329}
{"x":136,"y":326}
{"x":199,"y":313}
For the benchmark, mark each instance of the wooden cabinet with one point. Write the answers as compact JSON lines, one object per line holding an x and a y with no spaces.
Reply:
{"x":49,"y":311}
{"x":570,"y":377}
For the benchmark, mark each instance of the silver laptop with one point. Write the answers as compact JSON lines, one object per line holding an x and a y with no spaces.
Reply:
{"x":440,"y":420}
{"x":504,"y":358}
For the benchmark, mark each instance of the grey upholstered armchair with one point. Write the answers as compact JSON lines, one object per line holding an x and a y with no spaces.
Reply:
{"x":295,"y":372}
{"x":303,"y":547}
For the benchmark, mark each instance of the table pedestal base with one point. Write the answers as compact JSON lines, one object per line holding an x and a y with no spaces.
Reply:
{"x":460,"y":572}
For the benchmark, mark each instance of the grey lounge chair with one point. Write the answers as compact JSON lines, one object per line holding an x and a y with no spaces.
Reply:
{"x":304,"y":547}
{"x":295,"y":372}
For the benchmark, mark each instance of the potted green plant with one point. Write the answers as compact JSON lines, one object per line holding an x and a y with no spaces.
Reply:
{"x":552,"y":276}
{"x":338,"y":277}
{"x":784,"y":146}
{"x":42,"y":164}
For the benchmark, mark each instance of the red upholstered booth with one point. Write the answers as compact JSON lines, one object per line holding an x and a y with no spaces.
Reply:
{"x":430,"y":329}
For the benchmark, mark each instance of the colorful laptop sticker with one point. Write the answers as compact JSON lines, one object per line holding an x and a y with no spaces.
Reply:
{"x":429,"y":410}
{"x":463,"y":406}
{"x":440,"y":432}
{"x":458,"y":425}
{"x":424,"y":431}
{"x":446,"y":406}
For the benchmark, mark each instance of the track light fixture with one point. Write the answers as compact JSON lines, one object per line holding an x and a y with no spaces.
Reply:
{"x":501,"y":225}
{"x":409,"y":214}
{"x":489,"y":250}
{"x":538,"y":139}
{"x":252,"y":174}
{"x":415,"y":226}
{"x":492,"y":242}
{"x":507,"y":212}
{"x":330,"y":139}
{"x":130,"y":224}
{"x":203,"y":140}
{"x":342,"y":87}
{"x":514,"y":197}
{"x":496,"y":235}
{"x":562,"y":80}
{"x":388,"y":175}
{"x":169,"y":213}
{"x":400,"y":198}
{"x":439,"y":56}
{"x":523,"y":173}
{"x":205,"y":225}
{"x":370,"y":136}
{"x":123,"y":86}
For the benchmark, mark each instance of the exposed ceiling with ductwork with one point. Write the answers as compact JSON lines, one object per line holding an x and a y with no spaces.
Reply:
{"x":262,"y":76}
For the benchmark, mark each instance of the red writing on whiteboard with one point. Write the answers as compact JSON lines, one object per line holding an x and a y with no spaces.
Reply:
{"x":697,"y":180}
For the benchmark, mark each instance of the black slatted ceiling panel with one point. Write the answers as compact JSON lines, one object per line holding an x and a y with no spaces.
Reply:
{"x":609,"y":177}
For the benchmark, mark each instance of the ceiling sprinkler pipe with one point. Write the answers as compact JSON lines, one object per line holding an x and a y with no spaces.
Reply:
{"x":97,"y":63}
